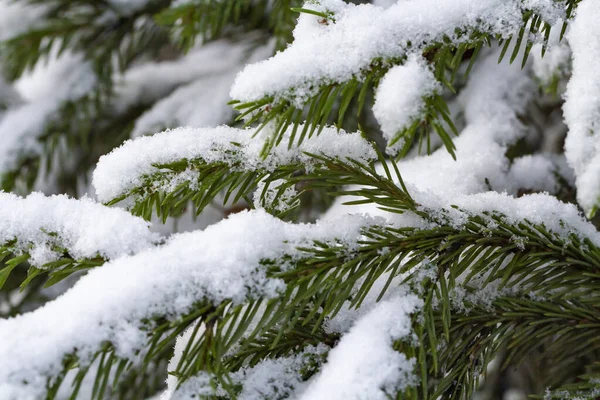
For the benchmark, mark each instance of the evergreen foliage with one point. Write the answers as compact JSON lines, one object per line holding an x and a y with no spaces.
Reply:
{"x":445,"y":248}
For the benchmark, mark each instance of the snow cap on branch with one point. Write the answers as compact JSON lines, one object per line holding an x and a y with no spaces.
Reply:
{"x":364,"y":364}
{"x":356,"y":35}
{"x":125,"y":167}
{"x":83,"y":228}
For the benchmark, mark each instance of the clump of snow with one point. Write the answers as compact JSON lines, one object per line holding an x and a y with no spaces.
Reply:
{"x":364,"y":364}
{"x":582,"y":105}
{"x":479,"y":295}
{"x":84,"y":228}
{"x":336,"y":51}
{"x":494,"y":96}
{"x":400,"y":97}
{"x":538,"y":172}
{"x":201,"y":103}
{"x":277,"y":378}
{"x":222,"y":262}
{"x":125,"y":167}
{"x":199,"y":385}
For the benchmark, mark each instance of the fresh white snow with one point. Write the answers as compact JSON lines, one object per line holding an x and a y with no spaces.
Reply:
{"x":125,"y":167}
{"x":582,"y":106}
{"x":364,"y":364}
{"x":84,"y":228}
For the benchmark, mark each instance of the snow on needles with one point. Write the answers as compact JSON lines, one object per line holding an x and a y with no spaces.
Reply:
{"x":84,"y":228}
{"x":16,"y":18}
{"x":399,"y":99}
{"x":45,"y":89}
{"x":582,"y":106}
{"x":125,"y":167}
{"x":222,"y":262}
{"x":364,"y":364}
{"x":356,"y":35}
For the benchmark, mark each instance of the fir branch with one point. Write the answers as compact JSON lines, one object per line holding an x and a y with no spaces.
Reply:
{"x":157,"y":194}
{"x":329,"y":99}
{"x":328,"y":275}
{"x":519,"y":324}
{"x":12,"y":256}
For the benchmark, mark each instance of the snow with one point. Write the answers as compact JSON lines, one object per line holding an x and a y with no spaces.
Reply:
{"x":364,"y":364}
{"x":275,"y":196}
{"x":82,"y":227}
{"x":145,"y":279}
{"x":492,"y":100}
{"x":45,"y":89}
{"x":582,"y":105}
{"x":399,"y":99}
{"x":560,"y":218}
{"x":8,"y":97}
{"x":494,"y":96}
{"x":222,"y":262}
{"x":278,"y":378}
{"x":556,"y":61}
{"x":201,"y":103}
{"x":341,"y":49}
{"x":127,"y":7}
{"x":538,"y":172}
{"x":125,"y":167}
{"x":16,"y":18}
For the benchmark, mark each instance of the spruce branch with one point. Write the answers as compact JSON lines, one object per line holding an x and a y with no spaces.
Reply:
{"x":158,"y":195}
{"x":207,"y":20}
{"x":329,"y":98}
